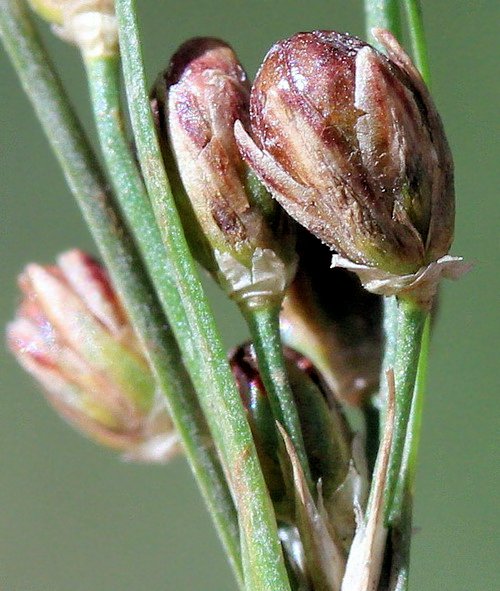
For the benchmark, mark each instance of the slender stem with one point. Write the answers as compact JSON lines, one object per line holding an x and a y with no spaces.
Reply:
{"x":417,"y":36}
{"x":410,"y":451}
{"x":217,"y":390}
{"x":103,"y":76}
{"x":118,"y":251}
{"x":403,"y":497}
{"x":264,"y":328}
{"x":383,"y":14}
{"x":411,"y":320}
{"x":415,"y":426}
{"x":401,"y":512}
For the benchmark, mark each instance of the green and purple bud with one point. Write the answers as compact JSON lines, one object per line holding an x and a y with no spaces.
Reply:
{"x":196,"y":103}
{"x":349,"y":141}
{"x":327,"y":437}
{"x":73,"y":336}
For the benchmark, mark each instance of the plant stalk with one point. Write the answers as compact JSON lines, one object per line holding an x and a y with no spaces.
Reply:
{"x":411,"y":320}
{"x":264,"y":568}
{"x":103,"y":77}
{"x":403,"y":498}
{"x":417,"y":36}
{"x":404,"y":493}
{"x":263,"y":323}
{"x":382,"y":14}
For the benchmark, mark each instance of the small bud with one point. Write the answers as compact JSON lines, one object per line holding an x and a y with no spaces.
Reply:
{"x":327,"y":437}
{"x":349,"y":141}
{"x":196,"y":103}
{"x":72,"y":334}
{"x":331,"y":319}
{"x":89,"y":24}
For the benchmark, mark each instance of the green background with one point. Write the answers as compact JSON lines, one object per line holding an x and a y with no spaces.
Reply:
{"x":74,"y":518}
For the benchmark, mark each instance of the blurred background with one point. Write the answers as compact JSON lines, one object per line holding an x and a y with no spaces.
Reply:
{"x":72,"y":516}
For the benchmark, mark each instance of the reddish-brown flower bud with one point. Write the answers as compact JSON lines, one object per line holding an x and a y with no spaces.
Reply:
{"x":197,"y":103}
{"x":72,"y":334}
{"x":350,"y":143}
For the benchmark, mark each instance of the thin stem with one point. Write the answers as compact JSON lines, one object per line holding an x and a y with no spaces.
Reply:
{"x":411,"y":320}
{"x":215,"y":385}
{"x":417,"y":36}
{"x":264,"y":328}
{"x":382,"y":14}
{"x":402,"y":333}
{"x":103,"y":76}
{"x":403,"y":497}
{"x":410,"y":451}
{"x":415,"y":426}
{"x":118,"y":251}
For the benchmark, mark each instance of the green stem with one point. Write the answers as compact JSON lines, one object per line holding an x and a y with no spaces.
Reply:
{"x":382,"y":14}
{"x":415,"y":426}
{"x":215,"y":385}
{"x":410,"y":451}
{"x":265,"y":330}
{"x":417,"y":36}
{"x":103,"y":76}
{"x":118,"y":251}
{"x":411,"y":320}
{"x":403,"y":497}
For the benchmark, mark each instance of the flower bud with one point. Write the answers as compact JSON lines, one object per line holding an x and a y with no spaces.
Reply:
{"x":350,"y":143}
{"x":72,"y":334}
{"x":89,"y":24}
{"x":196,"y":103}
{"x":327,"y":437}
{"x":331,"y":319}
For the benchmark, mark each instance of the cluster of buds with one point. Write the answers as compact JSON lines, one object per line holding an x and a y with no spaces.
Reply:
{"x":235,"y":228}
{"x":72,"y":334}
{"x":348,"y":142}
